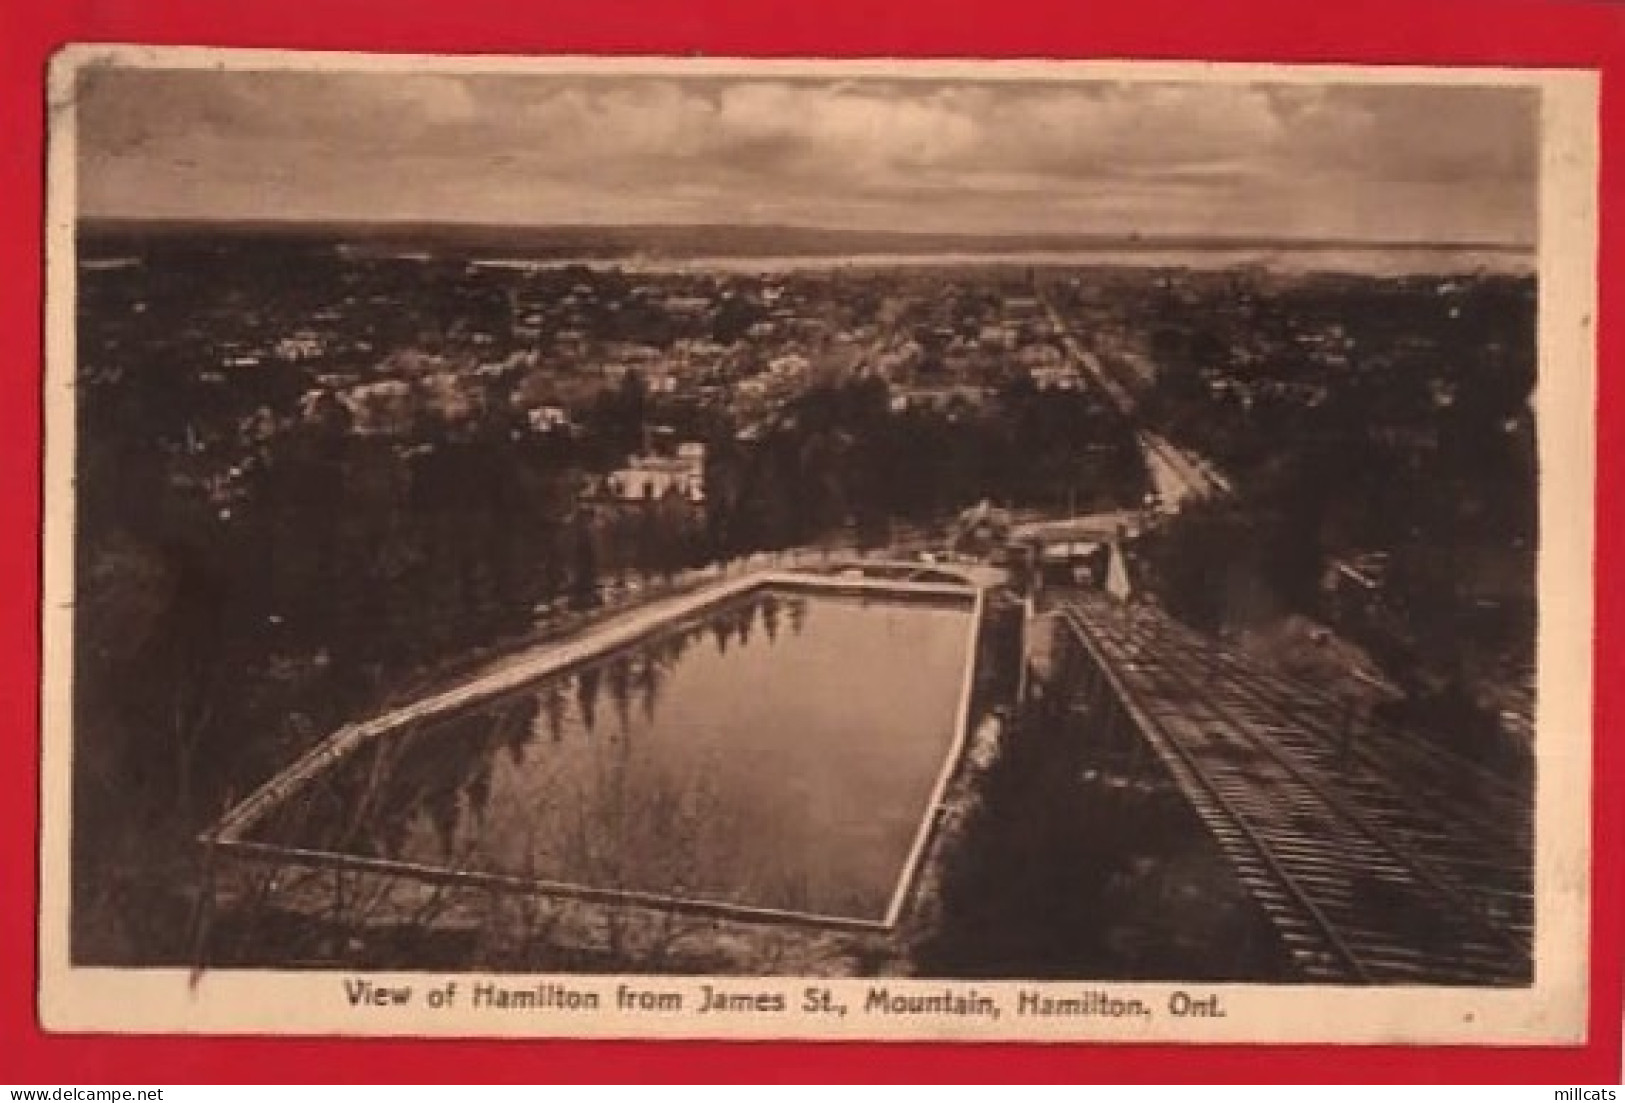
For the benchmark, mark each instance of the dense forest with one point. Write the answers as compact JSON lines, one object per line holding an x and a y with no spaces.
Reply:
{"x":840,"y":458}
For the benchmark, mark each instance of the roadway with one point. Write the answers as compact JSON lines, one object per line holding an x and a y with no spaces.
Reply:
{"x":1177,"y":475}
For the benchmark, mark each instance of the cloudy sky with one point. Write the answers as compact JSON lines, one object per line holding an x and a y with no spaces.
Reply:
{"x":1389,"y":163}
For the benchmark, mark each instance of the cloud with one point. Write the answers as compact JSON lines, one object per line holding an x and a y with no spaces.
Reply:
{"x":1383,"y":161}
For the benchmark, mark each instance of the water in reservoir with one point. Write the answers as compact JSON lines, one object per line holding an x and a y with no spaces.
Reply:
{"x":777,"y":751}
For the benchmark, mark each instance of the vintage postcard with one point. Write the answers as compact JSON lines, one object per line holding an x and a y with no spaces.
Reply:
{"x":640,"y":548}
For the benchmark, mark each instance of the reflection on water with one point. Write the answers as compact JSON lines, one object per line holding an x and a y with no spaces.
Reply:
{"x":779,"y":752}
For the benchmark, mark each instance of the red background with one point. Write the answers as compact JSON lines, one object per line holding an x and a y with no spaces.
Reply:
{"x":1477,"y":32}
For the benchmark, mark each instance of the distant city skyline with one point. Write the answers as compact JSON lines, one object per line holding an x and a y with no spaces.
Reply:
{"x":1346,"y":162}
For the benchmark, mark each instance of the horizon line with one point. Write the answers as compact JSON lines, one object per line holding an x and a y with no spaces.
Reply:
{"x":1130,"y":237}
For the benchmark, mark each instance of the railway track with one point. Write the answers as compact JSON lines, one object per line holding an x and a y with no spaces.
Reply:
{"x":1369,"y":874}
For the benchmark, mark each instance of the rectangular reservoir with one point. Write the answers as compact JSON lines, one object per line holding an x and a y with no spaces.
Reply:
{"x":779,"y":751}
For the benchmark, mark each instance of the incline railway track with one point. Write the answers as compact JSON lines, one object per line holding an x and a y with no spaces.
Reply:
{"x":1377,"y":864}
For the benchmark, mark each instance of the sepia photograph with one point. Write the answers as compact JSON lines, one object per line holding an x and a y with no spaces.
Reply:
{"x":572,"y":547}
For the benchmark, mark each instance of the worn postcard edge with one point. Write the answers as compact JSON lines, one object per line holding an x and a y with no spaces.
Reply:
{"x":1551,"y":1011}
